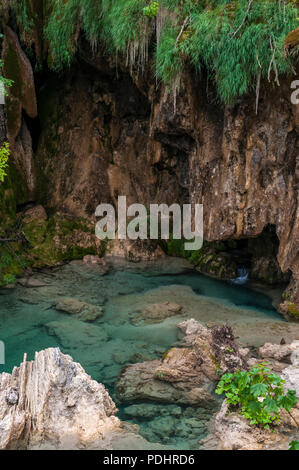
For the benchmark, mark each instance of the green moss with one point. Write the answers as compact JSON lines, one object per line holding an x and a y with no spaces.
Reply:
{"x":176,"y":248}
{"x":11,"y":265}
{"x":8,"y":198}
{"x":66,"y":226}
{"x":165,"y":355}
{"x":215,"y":362}
{"x":293,"y":310}
{"x":213,"y":258}
{"x":53,"y":240}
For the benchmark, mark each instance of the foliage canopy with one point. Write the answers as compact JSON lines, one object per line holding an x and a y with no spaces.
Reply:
{"x":258,"y":394}
{"x":238,"y":42}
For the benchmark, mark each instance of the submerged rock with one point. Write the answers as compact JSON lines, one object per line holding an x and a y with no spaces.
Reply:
{"x":156,"y":313}
{"x":280,"y":352}
{"x":100,"y":264}
{"x":81,"y":310}
{"x":31,"y":282}
{"x":77,"y":334}
{"x":150,"y":410}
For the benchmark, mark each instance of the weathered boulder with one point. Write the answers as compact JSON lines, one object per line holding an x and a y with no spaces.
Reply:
{"x":280,"y":352}
{"x":216,"y":347}
{"x":52,"y":404}
{"x":34,"y":213}
{"x":291,"y":373}
{"x":135,"y":250}
{"x":291,"y":376}
{"x":81,"y":310}
{"x":145,"y":382}
{"x":185,"y":375}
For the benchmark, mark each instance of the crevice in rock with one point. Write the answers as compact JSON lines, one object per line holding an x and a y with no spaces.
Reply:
{"x":34,"y":128}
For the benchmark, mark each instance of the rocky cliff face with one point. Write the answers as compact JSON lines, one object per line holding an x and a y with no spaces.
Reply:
{"x":105,"y":134}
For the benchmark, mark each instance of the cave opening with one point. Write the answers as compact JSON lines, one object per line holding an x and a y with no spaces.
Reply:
{"x":257,"y":256}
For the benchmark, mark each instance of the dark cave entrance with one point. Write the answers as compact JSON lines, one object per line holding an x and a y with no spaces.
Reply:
{"x":258,"y":255}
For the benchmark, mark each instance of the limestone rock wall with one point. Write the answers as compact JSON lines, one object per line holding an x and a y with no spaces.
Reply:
{"x":105,"y":134}
{"x":21,"y":102}
{"x":114,"y":138}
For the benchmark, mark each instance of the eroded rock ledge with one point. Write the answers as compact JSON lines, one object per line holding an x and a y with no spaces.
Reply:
{"x":186,"y":374}
{"x":51,"y":403}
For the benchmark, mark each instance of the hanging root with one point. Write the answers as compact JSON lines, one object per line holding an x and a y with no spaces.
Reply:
{"x":244,"y":19}
{"x":273,"y":62}
{"x":258,"y":85}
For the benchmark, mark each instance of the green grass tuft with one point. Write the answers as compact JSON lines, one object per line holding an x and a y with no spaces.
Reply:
{"x":236,"y":42}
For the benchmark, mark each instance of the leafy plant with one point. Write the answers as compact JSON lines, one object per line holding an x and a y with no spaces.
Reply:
{"x":238,"y":43}
{"x":294,"y":445}
{"x":151,"y":10}
{"x":6,"y":260}
{"x":159,"y":374}
{"x":257,"y":394}
{"x":9,"y":279}
{"x":4,"y":156}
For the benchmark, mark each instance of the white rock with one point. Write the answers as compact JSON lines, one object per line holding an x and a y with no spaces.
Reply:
{"x":276,"y":351}
{"x":52,"y":402}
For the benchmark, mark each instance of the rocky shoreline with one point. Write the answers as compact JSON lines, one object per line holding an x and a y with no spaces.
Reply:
{"x":51,"y":403}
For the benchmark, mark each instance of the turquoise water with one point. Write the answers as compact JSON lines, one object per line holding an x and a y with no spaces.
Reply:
{"x":29,"y":323}
{"x":22,"y":325}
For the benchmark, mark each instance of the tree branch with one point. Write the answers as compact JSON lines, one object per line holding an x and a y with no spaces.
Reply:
{"x":182,"y":30}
